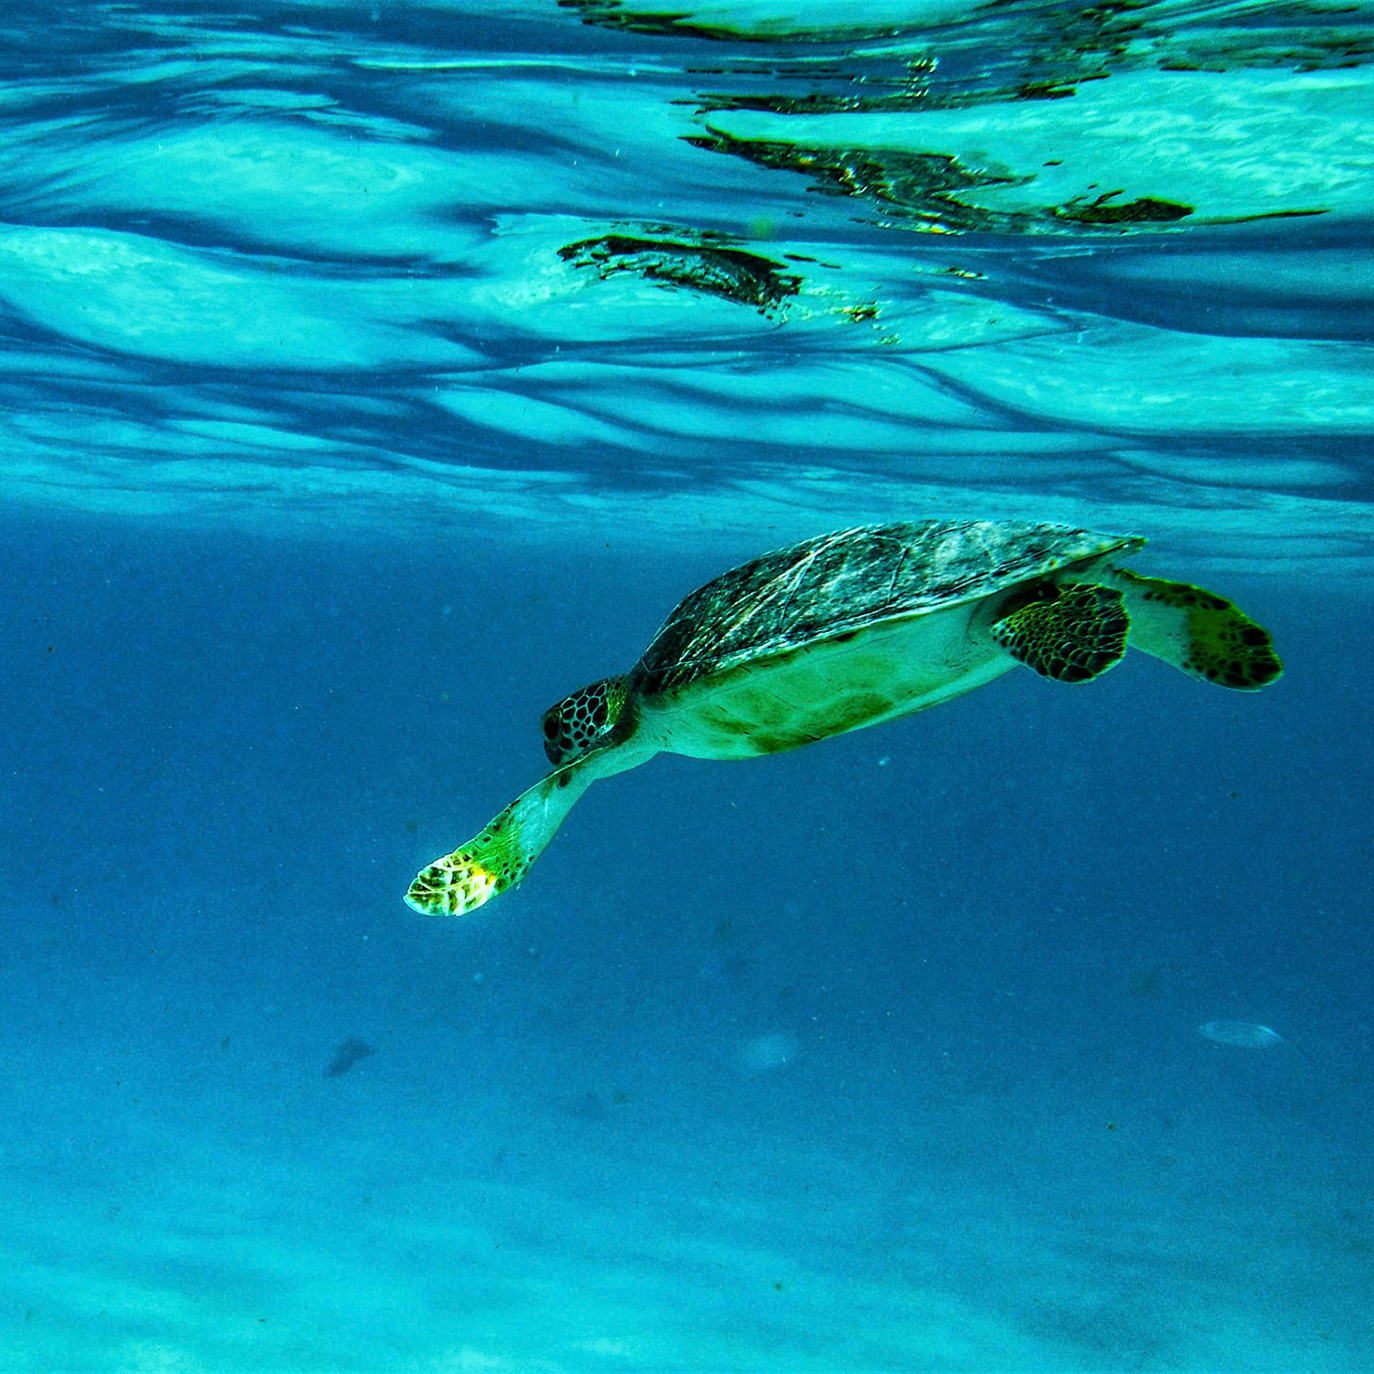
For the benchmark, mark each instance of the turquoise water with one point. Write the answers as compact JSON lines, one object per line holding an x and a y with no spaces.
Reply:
{"x":374,"y":376}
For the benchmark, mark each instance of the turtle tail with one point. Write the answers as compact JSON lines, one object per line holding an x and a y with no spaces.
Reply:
{"x":1198,"y":632}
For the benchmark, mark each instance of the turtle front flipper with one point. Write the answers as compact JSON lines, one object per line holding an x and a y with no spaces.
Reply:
{"x":1198,"y":632}
{"x":500,"y":856}
{"x":1072,"y":633}
{"x":483,"y":868}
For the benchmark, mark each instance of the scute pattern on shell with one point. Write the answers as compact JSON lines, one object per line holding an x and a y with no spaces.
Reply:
{"x":845,"y":581}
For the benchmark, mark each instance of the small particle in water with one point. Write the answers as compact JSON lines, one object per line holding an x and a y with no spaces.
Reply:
{"x":588,"y":1107}
{"x":1245,"y":1035}
{"x":347,"y":1055}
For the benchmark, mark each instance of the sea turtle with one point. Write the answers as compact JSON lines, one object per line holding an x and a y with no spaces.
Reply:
{"x":850,"y":629}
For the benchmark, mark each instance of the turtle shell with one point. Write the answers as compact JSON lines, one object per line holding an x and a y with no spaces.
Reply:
{"x":837,"y":584}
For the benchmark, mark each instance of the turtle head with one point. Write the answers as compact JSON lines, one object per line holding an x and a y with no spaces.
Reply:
{"x":585,"y":720}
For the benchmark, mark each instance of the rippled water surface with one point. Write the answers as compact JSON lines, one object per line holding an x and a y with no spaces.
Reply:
{"x":373,"y":375}
{"x":574,"y":266}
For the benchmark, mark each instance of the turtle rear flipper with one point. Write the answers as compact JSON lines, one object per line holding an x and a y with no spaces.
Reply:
{"x":1198,"y":632}
{"x":1072,"y":634}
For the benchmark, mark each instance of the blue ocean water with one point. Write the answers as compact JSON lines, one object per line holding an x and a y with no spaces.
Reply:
{"x":373,"y":376}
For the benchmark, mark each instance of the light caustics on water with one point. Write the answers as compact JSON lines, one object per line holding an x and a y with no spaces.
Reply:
{"x":1245,"y":1035}
{"x":767,"y":1052}
{"x":1250,"y":1035}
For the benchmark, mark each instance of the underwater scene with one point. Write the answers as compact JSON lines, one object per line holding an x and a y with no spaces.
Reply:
{"x":390,"y":389}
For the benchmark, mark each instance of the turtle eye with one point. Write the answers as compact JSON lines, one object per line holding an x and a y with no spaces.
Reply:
{"x":569,"y":727}
{"x":558,"y":732}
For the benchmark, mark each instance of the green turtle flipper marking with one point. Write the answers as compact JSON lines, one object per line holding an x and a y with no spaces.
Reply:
{"x":1198,"y":632}
{"x":1071,"y":634}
